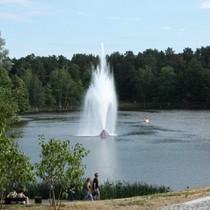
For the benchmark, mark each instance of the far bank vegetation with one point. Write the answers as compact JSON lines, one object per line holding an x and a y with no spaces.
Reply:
{"x":152,"y":78}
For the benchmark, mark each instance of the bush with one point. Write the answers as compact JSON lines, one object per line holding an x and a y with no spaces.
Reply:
{"x":126,"y":189}
{"x":108,"y":190}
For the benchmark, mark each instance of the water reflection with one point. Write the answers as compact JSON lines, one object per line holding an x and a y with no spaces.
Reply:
{"x":103,"y":159}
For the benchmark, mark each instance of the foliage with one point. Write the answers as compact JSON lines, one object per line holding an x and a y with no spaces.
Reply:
{"x":4,"y":60}
{"x":20,"y":93}
{"x":63,"y":87}
{"x":5,"y":80}
{"x":38,"y":189}
{"x":151,"y":76}
{"x":118,"y":189}
{"x":125,"y":189}
{"x":167,"y":82}
{"x":16,"y":170}
{"x":8,"y":110}
{"x":15,"y":167}
{"x":36,"y":92}
{"x":61,"y":165}
{"x":3,"y":52}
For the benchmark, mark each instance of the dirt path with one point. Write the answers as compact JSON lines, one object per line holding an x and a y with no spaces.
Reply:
{"x":152,"y":202}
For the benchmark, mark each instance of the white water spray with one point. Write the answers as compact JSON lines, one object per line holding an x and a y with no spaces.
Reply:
{"x":100,"y":105}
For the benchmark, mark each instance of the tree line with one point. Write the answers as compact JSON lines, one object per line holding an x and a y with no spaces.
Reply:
{"x":152,"y":76}
{"x":156,"y":76}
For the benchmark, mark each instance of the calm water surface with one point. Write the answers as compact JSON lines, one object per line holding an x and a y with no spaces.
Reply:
{"x":173,"y":149}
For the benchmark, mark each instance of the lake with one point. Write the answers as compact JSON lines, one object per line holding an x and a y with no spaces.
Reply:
{"x":172,"y":149}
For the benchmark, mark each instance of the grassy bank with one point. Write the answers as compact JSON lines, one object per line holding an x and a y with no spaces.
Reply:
{"x":148,"y":202}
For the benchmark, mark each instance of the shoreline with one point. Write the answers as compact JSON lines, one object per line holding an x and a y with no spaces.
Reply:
{"x":134,"y":106}
{"x":159,"y":106}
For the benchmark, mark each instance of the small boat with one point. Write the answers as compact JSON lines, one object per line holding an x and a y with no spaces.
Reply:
{"x":146,"y":119}
{"x":103,"y":134}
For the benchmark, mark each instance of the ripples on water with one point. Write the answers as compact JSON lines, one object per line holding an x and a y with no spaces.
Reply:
{"x":173,"y":149}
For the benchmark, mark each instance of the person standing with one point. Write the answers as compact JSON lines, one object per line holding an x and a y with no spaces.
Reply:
{"x":88,"y":194}
{"x":96,"y":190}
{"x":71,"y":191}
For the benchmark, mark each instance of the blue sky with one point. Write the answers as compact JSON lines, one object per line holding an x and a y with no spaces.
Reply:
{"x":67,"y":27}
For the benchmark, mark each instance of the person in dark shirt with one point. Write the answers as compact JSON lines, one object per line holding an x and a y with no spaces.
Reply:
{"x":71,"y":191}
{"x":96,"y":191}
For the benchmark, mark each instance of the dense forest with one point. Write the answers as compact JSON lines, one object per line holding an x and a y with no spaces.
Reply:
{"x":150,"y":77}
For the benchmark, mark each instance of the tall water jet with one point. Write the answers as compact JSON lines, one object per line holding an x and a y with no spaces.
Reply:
{"x":100,"y":104}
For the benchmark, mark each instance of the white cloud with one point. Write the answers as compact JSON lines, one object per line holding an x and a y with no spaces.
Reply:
{"x":39,"y":9}
{"x":10,"y":16}
{"x":166,"y":28}
{"x":182,"y":29}
{"x":15,"y":2}
{"x":85,"y":14}
{"x":125,"y":20}
{"x":25,"y":10}
{"x":205,"y":5}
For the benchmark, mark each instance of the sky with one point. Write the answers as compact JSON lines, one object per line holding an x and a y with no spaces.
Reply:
{"x":68,"y":27}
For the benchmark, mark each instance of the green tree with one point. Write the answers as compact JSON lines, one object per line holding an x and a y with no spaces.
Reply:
{"x":187,"y":54}
{"x":78,"y":90}
{"x":63,"y":62}
{"x":36,"y":93}
{"x":170,"y":57}
{"x":74,"y":71}
{"x":194,"y":76}
{"x":5,"y":80}
{"x":116,"y":63}
{"x":49,"y":98}
{"x":86,"y":77}
{"x":205,"y":85}
{"x":60,"y":164}
{"x":144,"y":81}
{"x":84,"y":61}
{"x":3,"y":52}
{"x":20,"y":93}
{"x":15,"y":166}
{"x":150,"y":58}
{"x":63,"y":88}
{"x":4,"y":60}
{"x":38,"y":68}
{"x":8,"y":110}
{"x":203,"y":55}
{"x":16,"y":169}
{"x":167,"y":84}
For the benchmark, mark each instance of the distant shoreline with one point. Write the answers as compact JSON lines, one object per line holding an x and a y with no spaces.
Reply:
{"x":133,"y":106}
{"x":142,"y":106}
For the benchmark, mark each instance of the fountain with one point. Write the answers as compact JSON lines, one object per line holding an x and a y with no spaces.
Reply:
{"x":100,"y":104}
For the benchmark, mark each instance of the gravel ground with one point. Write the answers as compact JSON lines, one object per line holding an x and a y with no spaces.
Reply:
{"x":198,"y":204}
